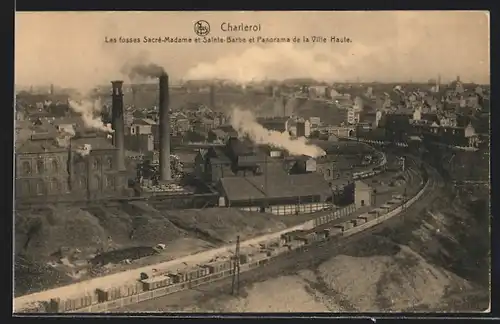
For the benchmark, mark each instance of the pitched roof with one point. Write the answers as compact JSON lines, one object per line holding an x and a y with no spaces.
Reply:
{"x":97,"y":143}
{"x":278,"y":186}
{"x":39,"y":146}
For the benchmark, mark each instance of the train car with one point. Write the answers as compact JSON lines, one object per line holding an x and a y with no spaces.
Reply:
{"x":358,"y":221}
{"x":175,"y":278}
{"x":368,"y":217}
{"x":156,"y":282}
{"x":333,"y":231}
{"x":245,"y":258}
{"x":55,"y":306}
{"x":197,"y":272}
{"x":219,"y":266}
{"x":102,"y":295}
{"x":291,"y":236}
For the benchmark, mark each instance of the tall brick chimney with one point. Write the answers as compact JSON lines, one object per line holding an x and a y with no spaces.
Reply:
{"x":165,"y":172}
{"x":118,"y":124}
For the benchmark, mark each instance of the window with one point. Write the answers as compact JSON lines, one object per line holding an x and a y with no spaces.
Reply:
{"x":362,"y":202}
{"x":96,"y":164}
{"x":109,"y":163}
{"x":328,"y":173}
{"x":55,"y":165}
{"x":110,"y":182}
{"x":40,"y":166}
{"x":40,"y":187}
{"x":26,"y":167}
{"x":25,"y":187}
{"x":55,"y":186}
{"x":82,"y":182}
{"x":97,"y":181}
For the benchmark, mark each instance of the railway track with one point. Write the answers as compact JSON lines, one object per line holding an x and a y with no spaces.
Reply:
{"x":291,"y":262}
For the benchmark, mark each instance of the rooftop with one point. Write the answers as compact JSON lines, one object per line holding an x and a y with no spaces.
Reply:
{"x":278,"y":186}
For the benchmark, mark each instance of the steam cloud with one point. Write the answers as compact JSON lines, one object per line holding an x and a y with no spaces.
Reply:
{"x":244,"y":122}
{"x":89,"y":111}
{"x":84,"y":150}
{"x":282,"y":61}
{"x":142,"y":71}
{"x":66,"y":132}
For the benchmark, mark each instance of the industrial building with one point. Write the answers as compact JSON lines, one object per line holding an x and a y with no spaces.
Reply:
{"x":62,"y":160}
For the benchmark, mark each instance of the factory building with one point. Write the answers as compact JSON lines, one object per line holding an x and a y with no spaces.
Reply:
{"x":63,"y":161}
{"x":275,"y":190}
{"x":47,"y":170}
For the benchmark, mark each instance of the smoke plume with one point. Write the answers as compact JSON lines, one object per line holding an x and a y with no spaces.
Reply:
{"x":244,"y":122}
{"x":89,"y":111}
{"x":142,"y":70}
{"x":66,"y":132}
{"x":84,"y":150}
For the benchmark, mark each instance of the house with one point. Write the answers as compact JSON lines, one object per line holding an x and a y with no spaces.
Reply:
{"x":221,"y":135}
{"x":143,"y":126}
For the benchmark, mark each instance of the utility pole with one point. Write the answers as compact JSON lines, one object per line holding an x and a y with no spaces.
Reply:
{"x":403,"y":209}
{"x":236,"y":268}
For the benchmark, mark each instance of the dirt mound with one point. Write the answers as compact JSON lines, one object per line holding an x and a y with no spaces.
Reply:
{"x":224,"y":224}
{"x":44,"y":232}
{"x":452,"y":232}
{"x":117,"y":256}
{"x":149,"y":226}
{"x":31,"y":276}
{"x":401,"y":281}
{"x":116,"y":222}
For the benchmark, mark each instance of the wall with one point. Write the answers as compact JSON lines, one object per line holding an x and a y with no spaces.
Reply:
{"x":41,"y":174}
{"x":92,"y":175}
{"x":292,"y":209}
{"x":362,"y":197}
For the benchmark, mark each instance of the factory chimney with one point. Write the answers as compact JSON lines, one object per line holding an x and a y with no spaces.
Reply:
{"x":165,"y":172}
{"x":118,"y":124}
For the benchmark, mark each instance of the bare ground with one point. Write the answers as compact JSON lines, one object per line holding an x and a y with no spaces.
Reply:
{"x":432,"y":259}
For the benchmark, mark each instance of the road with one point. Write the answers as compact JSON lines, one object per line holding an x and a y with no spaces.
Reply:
{"x":287,"y":263}
{"x":118,"y":279}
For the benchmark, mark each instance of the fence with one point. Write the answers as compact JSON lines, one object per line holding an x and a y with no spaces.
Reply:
{"x":283,"y":210}
{"x":357,"y":227}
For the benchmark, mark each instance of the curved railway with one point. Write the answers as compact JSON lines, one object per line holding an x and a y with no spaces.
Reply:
{"x":290,"y":263}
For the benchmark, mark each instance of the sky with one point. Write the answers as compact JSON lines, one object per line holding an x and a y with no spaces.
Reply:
{"x":68,"y":49}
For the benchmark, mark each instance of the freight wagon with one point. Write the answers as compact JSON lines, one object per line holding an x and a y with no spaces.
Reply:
{"x":156,"y":282}
{"x":368,"y":217}
{"x":333,"y":231}
{"x":219,"y":266}
{"x":291,"y":236}
{"x":358,"y":221}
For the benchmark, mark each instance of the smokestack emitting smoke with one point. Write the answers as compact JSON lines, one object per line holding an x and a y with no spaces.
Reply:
{"x":165,"y":171}
{"x":244,"y":122}
{"x":89,"y":111}
{"x":144,"y":71}
{"x":118,"y":123}
{"x":152,"y":70}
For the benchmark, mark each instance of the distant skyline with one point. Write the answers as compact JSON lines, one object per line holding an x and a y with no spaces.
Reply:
{"x":68,"y":49}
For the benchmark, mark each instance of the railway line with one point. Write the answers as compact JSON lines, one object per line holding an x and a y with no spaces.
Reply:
{"x":128,"y":274}
{"x":289,"y":263}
